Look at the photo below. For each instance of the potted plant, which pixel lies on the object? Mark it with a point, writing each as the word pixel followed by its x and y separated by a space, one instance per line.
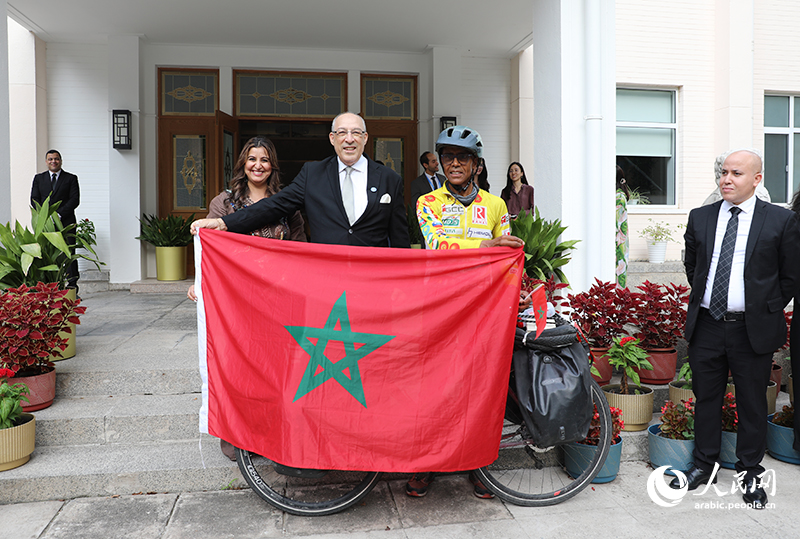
pixel 32 323
pixel 414 232
pixel 545 255
pixel 169 235
pixel 780 436
pixel 17 429
pixel 772 394
pixel 660 315
pixel 672 442
pixel 681 390
pixel 635 401
pixel 636 198
pixel 657 235
pixel 578 455
pixel 601 315
pixel 730 426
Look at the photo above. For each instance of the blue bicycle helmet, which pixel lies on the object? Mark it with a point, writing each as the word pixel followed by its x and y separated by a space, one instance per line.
pixel 461 136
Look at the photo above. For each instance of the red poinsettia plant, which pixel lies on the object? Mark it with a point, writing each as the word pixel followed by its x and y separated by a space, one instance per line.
pixel 677 420
pixel 730 417
pixel 660 314
pixel 31 319
pixel 617 424
pixel 602 312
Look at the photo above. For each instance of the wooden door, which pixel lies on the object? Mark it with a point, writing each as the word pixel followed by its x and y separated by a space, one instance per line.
pixel 395 144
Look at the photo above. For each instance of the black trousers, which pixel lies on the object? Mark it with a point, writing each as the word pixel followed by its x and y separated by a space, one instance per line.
pixel 717 346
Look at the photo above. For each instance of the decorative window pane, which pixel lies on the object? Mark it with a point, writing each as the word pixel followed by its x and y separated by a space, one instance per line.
pixel 781 146
pixel 227 151
pixel 290 94
pixel 776 111
pixel 646 142
pixel 185 93
pixel 388 98
pixel 390 152
pixel 189 172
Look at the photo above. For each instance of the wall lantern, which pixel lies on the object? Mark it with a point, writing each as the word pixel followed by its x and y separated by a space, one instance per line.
pixel 447 121
pixel 121 129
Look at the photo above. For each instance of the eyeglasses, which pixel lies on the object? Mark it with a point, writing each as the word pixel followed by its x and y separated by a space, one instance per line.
pixel 341 133
pixel 448 158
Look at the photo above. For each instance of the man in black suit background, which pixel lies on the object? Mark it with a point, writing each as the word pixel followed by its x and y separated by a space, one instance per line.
pixel 426 182
pixel 743 263
pixel 62 187
pixel 348 198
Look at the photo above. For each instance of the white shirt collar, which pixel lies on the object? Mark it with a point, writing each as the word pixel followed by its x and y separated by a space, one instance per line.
pixel 360 165
pixel 747 206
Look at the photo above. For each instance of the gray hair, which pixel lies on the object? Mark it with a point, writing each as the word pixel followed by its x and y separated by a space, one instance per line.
pixel 333 123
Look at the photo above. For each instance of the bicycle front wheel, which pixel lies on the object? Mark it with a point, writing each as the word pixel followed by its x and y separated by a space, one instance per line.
pixel 528 476
pixel 315 494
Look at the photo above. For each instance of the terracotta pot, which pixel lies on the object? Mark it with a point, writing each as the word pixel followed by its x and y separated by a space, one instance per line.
pixel 42 389
pixel 637 410
pixel 17 443
pixel 664 361
pixel 776 375
pixel 677 393
pixel 600 361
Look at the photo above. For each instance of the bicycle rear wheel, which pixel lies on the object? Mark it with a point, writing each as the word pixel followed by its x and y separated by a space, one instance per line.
pixel 528 476
pixel 317 493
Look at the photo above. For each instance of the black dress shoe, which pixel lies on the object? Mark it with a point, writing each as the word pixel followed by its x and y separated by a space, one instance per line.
pixel 754 495
pixel 695 477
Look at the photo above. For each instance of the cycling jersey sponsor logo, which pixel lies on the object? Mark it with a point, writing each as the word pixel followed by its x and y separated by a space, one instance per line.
pixel 455 209
pixel 504 219
pixel 453 231
pixel 450 221
pixel 430 198
pixel 479 233
pixel 479 215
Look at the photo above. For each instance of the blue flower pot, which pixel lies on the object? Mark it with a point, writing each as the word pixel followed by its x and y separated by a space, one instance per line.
pixel 780 441
pixel 678 454
pixel 577 457
pixel 727 450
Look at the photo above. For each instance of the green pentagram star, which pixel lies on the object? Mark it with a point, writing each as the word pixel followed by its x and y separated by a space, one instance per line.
pixel 352 384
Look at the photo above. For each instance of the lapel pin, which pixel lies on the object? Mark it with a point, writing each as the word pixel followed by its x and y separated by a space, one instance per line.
pixel 373 189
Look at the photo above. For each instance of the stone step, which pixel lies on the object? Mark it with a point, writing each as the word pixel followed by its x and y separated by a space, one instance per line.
pixel 118 420
pixel 62 472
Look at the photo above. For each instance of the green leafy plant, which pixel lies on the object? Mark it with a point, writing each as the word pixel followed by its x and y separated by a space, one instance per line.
pixel 545 255
pixel 677 420
pixel 169 231
pixel 656 231
pixel 784 418
pixel 414 233
pixel 39 255
pixel 730 417
pixel 11 397
pixel 31 320
pixel 637 197
pixel 685 373
pixel 627 356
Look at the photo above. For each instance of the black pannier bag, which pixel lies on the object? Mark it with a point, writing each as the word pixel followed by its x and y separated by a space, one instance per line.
pixel 553 386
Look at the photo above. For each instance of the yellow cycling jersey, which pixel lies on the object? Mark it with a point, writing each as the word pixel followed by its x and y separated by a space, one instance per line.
pixel 447 224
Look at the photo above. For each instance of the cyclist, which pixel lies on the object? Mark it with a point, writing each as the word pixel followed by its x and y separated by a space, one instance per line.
pixel 459 215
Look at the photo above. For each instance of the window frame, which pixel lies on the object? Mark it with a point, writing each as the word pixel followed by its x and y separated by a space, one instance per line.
pixel 790 131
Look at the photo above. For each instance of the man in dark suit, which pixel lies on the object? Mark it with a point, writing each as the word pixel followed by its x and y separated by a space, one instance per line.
pixel 60 186
pixel 426 182
pixel 348 199
pixel 743 263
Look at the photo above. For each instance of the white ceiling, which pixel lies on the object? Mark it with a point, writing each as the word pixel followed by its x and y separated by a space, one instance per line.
pixel 478 27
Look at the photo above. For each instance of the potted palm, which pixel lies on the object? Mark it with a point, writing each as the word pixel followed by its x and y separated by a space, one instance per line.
pixel 578 455
pixel 657 235
pixel 32 323
pixel 671 443
pixel 601 314
pixel 17 429
pixel 545 255
pixel 169 235
pixel 635 401
pixel 660 315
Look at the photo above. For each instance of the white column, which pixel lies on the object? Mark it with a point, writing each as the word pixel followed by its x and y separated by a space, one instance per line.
pixel 522 110
pixel 5 139
pixel 574 115
pixel 734 75
pixel 446 71
pixel 124 166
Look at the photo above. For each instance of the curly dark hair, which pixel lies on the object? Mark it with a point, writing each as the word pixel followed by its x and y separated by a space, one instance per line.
pixel 239 190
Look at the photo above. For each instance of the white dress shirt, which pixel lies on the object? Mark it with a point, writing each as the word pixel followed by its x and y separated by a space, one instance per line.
pixel 359 178
pixel 736 298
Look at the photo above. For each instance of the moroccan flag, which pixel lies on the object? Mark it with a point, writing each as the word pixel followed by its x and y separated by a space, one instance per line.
pixel 539 306
pixel 355 358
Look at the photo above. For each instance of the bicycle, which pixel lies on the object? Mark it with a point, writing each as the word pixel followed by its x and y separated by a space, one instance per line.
pixel 523 473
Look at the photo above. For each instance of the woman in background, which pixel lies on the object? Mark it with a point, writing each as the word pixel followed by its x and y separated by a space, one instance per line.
pixel 517 194
pixel 622 229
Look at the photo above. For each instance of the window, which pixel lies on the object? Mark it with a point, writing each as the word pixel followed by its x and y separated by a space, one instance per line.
pixel 781 146
pixel 646 133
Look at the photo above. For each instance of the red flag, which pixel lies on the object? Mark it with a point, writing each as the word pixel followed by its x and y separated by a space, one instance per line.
pixel 355 358
pixel 539 306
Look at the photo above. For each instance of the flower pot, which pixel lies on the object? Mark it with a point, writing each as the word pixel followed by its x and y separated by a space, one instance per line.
pixel 70 350
pixel 42 389
pixel 727 450
pixel 171 263
pixel 17 443
pixel 637 410
pixel 600 361
pixel 772 394
pixel 776 375
pixel 780 442
pixel 656 251
pixel 664 361
pixel 578 456
pixel 677 393
pixel 678 454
